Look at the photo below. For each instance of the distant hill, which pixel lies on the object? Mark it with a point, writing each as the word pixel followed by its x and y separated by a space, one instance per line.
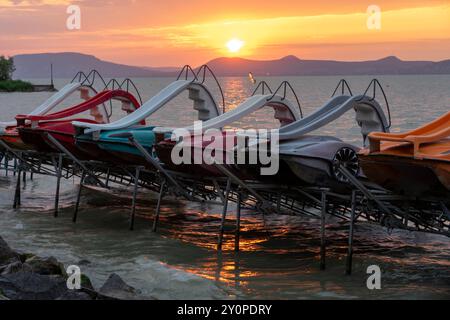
pixel 67 64
pixel 293 66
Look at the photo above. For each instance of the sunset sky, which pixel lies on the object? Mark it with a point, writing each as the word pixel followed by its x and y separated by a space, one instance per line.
pixel 175 32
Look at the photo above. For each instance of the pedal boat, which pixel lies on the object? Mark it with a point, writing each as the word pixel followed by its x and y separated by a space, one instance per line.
pixel 414 163
pixel 315 160
pixel 111 141
pixel 34 130
pixel 283 110
pixel 8 130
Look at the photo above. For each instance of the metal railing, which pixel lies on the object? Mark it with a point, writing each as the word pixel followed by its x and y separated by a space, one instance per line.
pixel 263 86
pixel 203 70
pixel 374 84
pixel 284 86
pixel 342 84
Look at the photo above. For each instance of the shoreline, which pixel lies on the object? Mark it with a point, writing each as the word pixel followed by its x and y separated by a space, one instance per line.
pixel 14 86
pixel 26 276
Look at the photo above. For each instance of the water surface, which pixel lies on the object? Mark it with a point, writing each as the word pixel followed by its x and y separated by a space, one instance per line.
pixel 279 254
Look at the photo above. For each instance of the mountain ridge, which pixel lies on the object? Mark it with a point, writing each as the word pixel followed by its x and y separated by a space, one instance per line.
pixel 67 64
pixel 293 66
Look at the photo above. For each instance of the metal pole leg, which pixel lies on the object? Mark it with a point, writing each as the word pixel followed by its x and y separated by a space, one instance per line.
pixel 77 205
pixel 158 206
pixel 349 262
pixel 17 195
pixel 238 224
pixel 24 179
pixel 224 215
pixel 58 184
pixel 133 206
pixel 6 164
pixel 322 231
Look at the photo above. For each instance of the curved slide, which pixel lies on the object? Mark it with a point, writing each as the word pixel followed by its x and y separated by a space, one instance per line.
pixel 148 108
pixel 50 103
pixel 82 107
pixel 284 110
pixel 436 130
pixel 369 115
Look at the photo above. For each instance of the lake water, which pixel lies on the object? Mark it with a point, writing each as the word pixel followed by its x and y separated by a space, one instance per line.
pixel 279 256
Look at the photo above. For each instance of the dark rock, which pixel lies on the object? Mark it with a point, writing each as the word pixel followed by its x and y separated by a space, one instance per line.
pixel 116 288
pixel 75 295
pixel 25 256
pixel 7 255
pixel 14 267
pixel 32 286
pixel 49 266
pixel 86 282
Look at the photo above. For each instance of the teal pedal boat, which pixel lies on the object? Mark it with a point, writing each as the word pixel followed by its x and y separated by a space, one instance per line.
pixel 110 142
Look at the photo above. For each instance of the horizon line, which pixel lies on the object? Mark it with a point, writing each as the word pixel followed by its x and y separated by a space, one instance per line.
pixel 224 57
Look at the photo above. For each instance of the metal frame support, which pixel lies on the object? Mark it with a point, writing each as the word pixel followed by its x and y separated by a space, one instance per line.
pixel 238 223
pixel 58 184
pixel 349 261
pixel 24 178
pixel 73 158
pixel 158 206
pixel 17 194
pixel 322 231
pixel 133 205
pixel 224 215
pixel 77 205
pixel 148 157
pixel 6 164
pixel 264 204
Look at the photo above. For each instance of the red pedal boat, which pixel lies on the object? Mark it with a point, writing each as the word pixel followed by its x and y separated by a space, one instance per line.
pixel 34 130
pixel 283 111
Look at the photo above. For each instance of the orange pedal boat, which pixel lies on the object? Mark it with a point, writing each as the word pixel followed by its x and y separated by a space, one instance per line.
pixel 415 163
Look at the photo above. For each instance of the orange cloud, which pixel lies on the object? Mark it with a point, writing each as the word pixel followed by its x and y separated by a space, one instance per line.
pixel 117 30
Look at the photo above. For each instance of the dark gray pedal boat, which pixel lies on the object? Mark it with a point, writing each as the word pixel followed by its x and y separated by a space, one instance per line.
pixel 314 159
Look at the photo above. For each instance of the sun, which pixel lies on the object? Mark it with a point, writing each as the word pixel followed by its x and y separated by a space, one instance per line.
pixel 235 45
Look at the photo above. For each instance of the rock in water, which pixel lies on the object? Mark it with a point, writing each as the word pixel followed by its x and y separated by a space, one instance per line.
pixel 6 254
pixel 49 266
pixel 116 288
pixel 32 286
pixel 12 268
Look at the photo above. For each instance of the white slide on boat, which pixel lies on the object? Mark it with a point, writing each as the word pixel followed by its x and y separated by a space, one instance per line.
pixel 285 111
pixel 50 103
pixel 369 116
pixel 204 103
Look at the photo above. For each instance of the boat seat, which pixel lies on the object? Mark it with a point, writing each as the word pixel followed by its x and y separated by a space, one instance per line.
pixel 84 93
pixel 283 114
pixel 203 102
pixel 434 131
pixel 128 107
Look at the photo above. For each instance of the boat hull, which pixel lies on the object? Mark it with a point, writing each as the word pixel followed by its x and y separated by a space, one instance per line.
pixel 62 131
pixel 14 141
pixel 408 176
pixel 114 147
pixel 313 161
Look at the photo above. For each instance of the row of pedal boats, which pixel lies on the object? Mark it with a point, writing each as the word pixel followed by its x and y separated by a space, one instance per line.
pixel 414 163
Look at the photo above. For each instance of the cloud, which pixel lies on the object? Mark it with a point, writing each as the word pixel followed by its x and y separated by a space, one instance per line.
pixel 131 27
